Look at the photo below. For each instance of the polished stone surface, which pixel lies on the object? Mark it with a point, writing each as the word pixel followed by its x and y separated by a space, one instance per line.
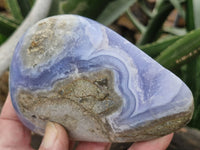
pixel 100 87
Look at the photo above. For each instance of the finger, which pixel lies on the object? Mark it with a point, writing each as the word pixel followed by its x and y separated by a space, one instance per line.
pixel 13 133
pixel 158 144
pixel 93 146
pixel 8 111
pixel 55 138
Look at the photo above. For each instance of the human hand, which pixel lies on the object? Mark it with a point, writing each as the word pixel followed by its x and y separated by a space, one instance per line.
pixel 15 136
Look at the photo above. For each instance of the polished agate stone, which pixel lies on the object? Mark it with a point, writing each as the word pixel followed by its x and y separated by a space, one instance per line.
pixel 76 72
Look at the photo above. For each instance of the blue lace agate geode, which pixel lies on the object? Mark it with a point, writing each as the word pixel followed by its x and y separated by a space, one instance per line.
pixel 100 87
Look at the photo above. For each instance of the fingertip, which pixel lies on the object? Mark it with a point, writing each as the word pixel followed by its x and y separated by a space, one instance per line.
pixel 159 144
pixel 170 136
pixel 62 138
pixel 55 138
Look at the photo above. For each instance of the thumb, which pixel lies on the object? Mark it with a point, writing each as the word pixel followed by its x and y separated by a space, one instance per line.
pixel 55 138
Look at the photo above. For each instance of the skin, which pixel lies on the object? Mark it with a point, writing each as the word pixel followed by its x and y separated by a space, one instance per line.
pixel 15 136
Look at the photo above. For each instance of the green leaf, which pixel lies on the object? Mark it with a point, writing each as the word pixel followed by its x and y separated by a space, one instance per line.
pixel 154 49
pixel 114 10
pixel 2 38
pixel 15 9
pixel 177 5
pixel 25 7
pixel 146 10
pixel 54 10
pixel 135 21
pixel 88 8
pixel 192 79
pixel 32 2
pixel 196 4
pixel 158 6
pixel 192 14
pixel 7 25
pixel 192 72
pixel 175 30
pixel 160 13
pixel 189 16
pixel 181 50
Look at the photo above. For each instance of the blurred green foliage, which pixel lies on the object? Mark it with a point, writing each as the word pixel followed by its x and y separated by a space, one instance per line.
pixel 177 51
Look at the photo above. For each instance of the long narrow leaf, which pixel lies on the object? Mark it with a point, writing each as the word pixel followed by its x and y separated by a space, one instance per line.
pixel 135 21
pixel 192 72
pixel 114 10
pixel 174 30
pixel 2 38
pixel 32 2
pixel 54 10
pixel 145 8
pixel 196 4
pixel 190 25
pixel 153 28
pixel 25 7
pixel 88 8
pixel 155 48
pixel 193 81
pixel 15 9
pixel 181 50
pixel 177 5
pixel 7 26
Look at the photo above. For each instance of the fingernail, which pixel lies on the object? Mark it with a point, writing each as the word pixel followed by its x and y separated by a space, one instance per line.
pixel 50 135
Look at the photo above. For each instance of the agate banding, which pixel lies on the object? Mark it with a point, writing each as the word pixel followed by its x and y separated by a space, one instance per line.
pixel 74 71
